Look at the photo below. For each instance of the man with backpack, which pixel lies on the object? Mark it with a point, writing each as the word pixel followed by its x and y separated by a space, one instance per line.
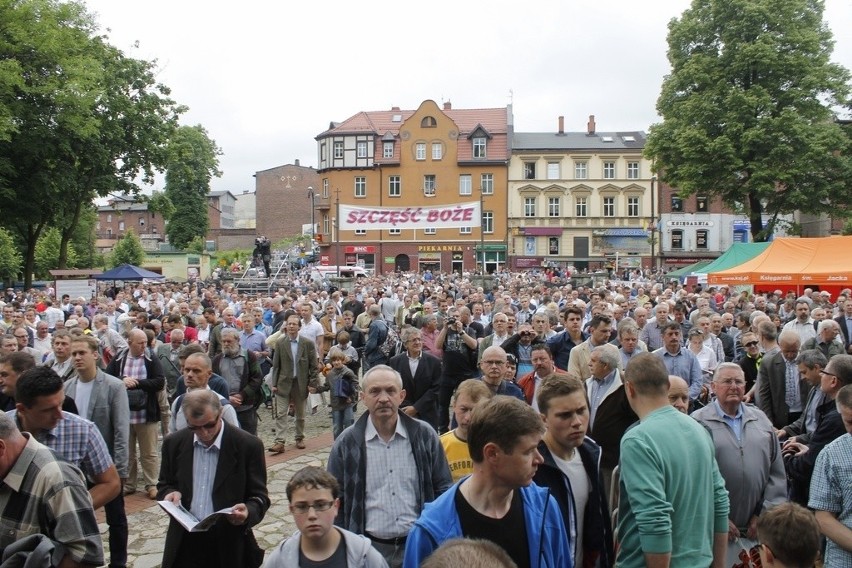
pixel 380 340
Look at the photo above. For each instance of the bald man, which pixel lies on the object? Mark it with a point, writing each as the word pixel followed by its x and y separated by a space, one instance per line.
pixel 679 393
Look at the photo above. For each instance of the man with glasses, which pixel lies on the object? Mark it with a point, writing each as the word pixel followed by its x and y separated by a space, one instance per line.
pixel 751 359
pixel 500 325
pixel 493 367
pixel 747 452
pixel 22 339
pixel 421 378
pixel 206 467
pixel 781 395
pixel 314 501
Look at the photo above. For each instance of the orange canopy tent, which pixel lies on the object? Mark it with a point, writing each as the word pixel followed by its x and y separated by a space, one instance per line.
pixel 823 261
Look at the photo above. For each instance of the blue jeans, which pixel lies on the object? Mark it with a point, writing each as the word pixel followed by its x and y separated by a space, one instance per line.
pixel 341 419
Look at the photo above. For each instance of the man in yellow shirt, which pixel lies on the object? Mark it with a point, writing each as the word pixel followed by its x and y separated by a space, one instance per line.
pixel 468 394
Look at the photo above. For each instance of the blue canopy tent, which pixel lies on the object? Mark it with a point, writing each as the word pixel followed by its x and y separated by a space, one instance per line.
pixel 128 272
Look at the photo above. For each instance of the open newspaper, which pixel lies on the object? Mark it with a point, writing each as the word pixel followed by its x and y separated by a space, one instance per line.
pixel 188 520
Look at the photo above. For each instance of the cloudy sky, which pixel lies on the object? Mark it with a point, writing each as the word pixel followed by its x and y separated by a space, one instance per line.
pixel 264 77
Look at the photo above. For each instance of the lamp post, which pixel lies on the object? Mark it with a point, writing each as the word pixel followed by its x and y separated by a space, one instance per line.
pixel 312 195
pixel 482 228
pixel 653 226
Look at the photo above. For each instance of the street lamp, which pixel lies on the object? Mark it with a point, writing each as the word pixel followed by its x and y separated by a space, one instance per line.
pixel 313 207
pixel 653 227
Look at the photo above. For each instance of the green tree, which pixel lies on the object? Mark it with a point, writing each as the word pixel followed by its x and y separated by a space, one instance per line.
pixel 192 162
pixel 10 257
pixel 128 250
pixel 747 109
pixel 47 253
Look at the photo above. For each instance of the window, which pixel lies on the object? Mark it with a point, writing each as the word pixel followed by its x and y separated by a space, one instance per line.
pixel 487 221
pixel 486 183
pixel 429 231
pixel 553 206
pixel 701 204
pixel 582 207
pixel 429 185
pixel 581 170
pixel 326 225
pixel 360 186
pixel 677 204
pixel 338 149
pixel 121 225
pixel 464 184
pixel 529 170
pixel 553 245
pixel 479 147
pixel 632 206
pixel 701 239
pixel 428 122
pixel 632 170
pixel 394 186
pixel 323 152
pixel 464 230
pixel 394 231
pixel 609 170
pixel 360 232
pixel 609 206
pixel 420 151
pixel 677 239
pixel 325 188
pixel 361 149
pixel 109 218
pixel 437 150
pixel 552 170
pixel 387 150
pixel 529 206
pixel 141 221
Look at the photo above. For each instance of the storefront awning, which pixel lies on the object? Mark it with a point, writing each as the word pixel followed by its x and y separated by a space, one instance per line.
pixel 622 233
pixel 542 231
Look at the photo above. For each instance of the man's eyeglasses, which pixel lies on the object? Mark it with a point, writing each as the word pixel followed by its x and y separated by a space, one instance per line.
pixel 208 426
pixel 318 506
pixel 823 372
pixel 493 363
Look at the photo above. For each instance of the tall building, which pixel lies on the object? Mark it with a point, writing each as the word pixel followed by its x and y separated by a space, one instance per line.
pixel 431 157
pixel 580 199
pixel 283 200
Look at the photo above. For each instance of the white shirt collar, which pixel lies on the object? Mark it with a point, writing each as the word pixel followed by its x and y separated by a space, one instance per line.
pixel 371 431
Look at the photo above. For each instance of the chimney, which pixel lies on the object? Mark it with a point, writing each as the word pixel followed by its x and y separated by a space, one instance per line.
pixel 297 162
pixel 395 108
pixel 448 105
pixel 591 125
pixel 561 125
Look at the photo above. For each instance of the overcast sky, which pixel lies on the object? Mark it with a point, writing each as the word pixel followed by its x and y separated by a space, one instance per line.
pixel 265 77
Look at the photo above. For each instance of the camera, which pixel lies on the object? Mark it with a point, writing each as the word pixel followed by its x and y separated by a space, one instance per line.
pixel 526 334
pixel 451 322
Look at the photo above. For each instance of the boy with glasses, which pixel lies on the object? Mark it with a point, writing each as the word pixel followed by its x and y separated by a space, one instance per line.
pixel 314 500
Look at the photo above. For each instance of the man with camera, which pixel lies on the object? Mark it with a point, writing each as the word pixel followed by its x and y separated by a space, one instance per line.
pixel 459 363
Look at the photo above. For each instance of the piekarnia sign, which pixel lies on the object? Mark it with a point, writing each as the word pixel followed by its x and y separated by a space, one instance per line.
pixel 447 216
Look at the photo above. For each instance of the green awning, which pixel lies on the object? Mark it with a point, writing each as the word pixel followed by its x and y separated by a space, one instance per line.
pixel 689 269
pixel 734 256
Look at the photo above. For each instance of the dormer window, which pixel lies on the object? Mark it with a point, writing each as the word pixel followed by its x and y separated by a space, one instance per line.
pixel 479 147
pixel 428 122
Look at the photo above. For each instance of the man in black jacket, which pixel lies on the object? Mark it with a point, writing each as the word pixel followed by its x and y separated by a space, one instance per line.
pixel 421 378
pixel 571 470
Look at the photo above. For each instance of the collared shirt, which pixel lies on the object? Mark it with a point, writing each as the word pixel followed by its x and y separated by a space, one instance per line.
pixel 43 487
pixel 413 363
pixel 599 390
pixel 831 491
pixel 792 394
pixel 77 441
pixel 392 488
pixel 735 423
pixel 626 357
pixel 684 365
pixel 294 350
pixel 204 462
pixel 135 368
pixel 811 412
pixel 253 341
pixel 499 340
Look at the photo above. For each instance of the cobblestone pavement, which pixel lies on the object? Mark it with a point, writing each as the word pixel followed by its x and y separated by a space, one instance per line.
pixel 148 523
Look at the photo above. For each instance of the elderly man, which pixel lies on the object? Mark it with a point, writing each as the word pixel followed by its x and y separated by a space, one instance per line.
pixel 781 394
pixel 500 324
pixel 679 360
pixel 679 394
pixel 673 508
pixel 493 367
pixel 204 481
pixel 197 369
pixel 103 400
pixel 609 413
pixel 44 494
pixel 811 363
pixel 241 370
pixel 600 330
pixel 628 342
pixel 229 320
pixel 747 452
pixel 542 362
pixel 168 354
pixel 421 378
pixel 380 506
pixel 294 367
pixel 652 333
pixel 827 340
pixel 143 378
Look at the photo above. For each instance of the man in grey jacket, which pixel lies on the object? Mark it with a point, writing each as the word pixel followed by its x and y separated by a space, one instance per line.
pixel 747 451
pixel 314 501
pixel 102 399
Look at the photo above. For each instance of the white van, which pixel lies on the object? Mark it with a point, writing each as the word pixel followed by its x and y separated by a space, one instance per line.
pixel 323 272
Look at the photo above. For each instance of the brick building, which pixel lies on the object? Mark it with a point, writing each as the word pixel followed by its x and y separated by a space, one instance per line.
pixel 282 200
pixel 121 214
pixel 431 156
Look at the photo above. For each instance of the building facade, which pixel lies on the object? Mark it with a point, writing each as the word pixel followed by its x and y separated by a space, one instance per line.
pixel 122 214
pixel 283 200
pixel 220 209
pixel 580 199
pixel 431 156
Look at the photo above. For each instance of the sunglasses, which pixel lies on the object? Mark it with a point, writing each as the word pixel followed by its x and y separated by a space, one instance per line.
pixel 208 426
pixel 751 344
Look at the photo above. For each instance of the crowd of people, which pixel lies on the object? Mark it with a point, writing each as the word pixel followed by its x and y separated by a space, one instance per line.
pixel 532 423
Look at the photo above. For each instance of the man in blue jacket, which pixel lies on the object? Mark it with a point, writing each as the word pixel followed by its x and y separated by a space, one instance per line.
pixel 498 502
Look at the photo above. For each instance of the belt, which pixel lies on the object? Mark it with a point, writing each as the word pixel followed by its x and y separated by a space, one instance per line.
pixel 395 541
